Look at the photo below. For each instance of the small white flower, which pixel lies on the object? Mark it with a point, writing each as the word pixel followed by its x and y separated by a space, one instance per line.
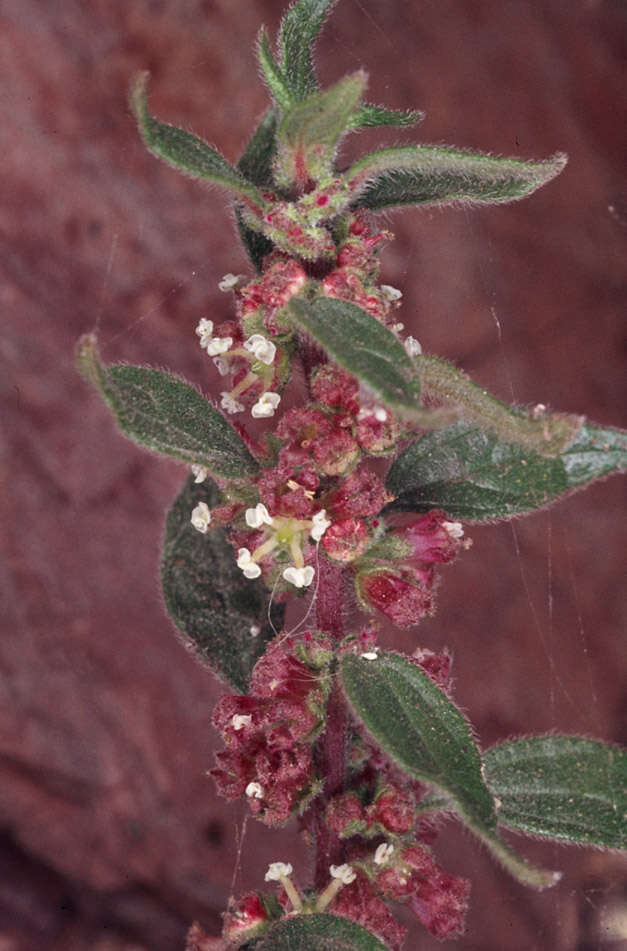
pixel 258 516
pixel 204 331
pixel 229 404
pixel 254 630
pixel 240 720
pixel 538 410
pixel 201 516
pixel 265 405
pixel 254 791
pixel 454 529
pixel 217 345
pixel 391 293
pixel 261 348
pixel 380 414
pixel 221 365
pixel 369 655
pixel 199 473
pixel 345 873
pixel 299 577
pixel 320 525
pixel 277 871
pixel 228 282
pixel 383 853
pixel 248 566
pixel 412 347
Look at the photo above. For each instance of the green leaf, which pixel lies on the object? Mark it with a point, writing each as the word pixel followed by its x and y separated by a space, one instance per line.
pixel 273 76
pixel 561 787
pixel 368 116
pixel 318 933
pixel 418 727
pixel 186 152
pixel 426 174
pixel 473 475
pixel 256 165
pixel 323 116
pixel 210 601
pixel 363 346
pixel 167 415
pixel 415 723
pixel 300 28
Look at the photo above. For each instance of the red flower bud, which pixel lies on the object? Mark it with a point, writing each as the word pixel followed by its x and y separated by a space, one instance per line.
pixel 359 902
pixel 431 538
pixel 246 920
pixel 345 815
pixel 403 595
pixel 395 809
pixel 346 540
pixel 361 493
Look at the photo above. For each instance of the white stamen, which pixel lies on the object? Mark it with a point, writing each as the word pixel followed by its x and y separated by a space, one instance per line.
pixel 277 871
pixel 412 347
pixel 254 791
pixel 369 655
pixel 258 516
pixel 248 566
pixel 454 529
pixel 201 516
pixel 254 630
pixel 240 720
pixel 383 853
pixel 380 414
pixel 299 577
pixel 204 331
pixel 228 282
pixel 265 405
pixel 221 366
pixel 217 345
pixel 199 473
pixel 230 404
pixel 391 293
pixel 261 348
pixel 538 410
pixel 345 873
pixel 320 525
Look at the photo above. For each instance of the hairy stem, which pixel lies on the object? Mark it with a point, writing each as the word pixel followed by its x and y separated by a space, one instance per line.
pixel 331 748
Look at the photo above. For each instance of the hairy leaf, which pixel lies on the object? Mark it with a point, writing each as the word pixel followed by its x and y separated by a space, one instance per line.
pixel 369 116
pixel 300 28
pixel 272 73
pixel 322 117
pixel 475 476
pixel 256 165
pixel 167 415
pixel 186 152
pixel 364 347
pixel 417 726
pixel 210 601
pixel 426 174
pixel 561 787
pixel 318 933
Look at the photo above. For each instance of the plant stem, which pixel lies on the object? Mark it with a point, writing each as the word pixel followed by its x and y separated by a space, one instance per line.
pixel 331 749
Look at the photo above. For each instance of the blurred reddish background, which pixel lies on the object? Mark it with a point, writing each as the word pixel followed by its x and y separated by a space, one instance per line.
pixel 111 835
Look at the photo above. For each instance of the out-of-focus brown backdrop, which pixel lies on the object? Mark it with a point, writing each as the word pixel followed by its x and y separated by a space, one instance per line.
pixel 111 835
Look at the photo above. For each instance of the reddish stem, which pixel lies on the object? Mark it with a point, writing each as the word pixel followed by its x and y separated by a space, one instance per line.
pixel 331 748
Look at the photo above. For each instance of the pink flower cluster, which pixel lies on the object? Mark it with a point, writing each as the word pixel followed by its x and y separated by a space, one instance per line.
pixel 269 732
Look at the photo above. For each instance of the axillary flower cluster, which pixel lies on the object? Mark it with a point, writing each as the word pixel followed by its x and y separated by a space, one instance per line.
pixel 316 487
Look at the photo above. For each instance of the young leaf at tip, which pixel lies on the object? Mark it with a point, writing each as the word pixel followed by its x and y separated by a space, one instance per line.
pixel 300 28
pixel 186 152
pixel 433 175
